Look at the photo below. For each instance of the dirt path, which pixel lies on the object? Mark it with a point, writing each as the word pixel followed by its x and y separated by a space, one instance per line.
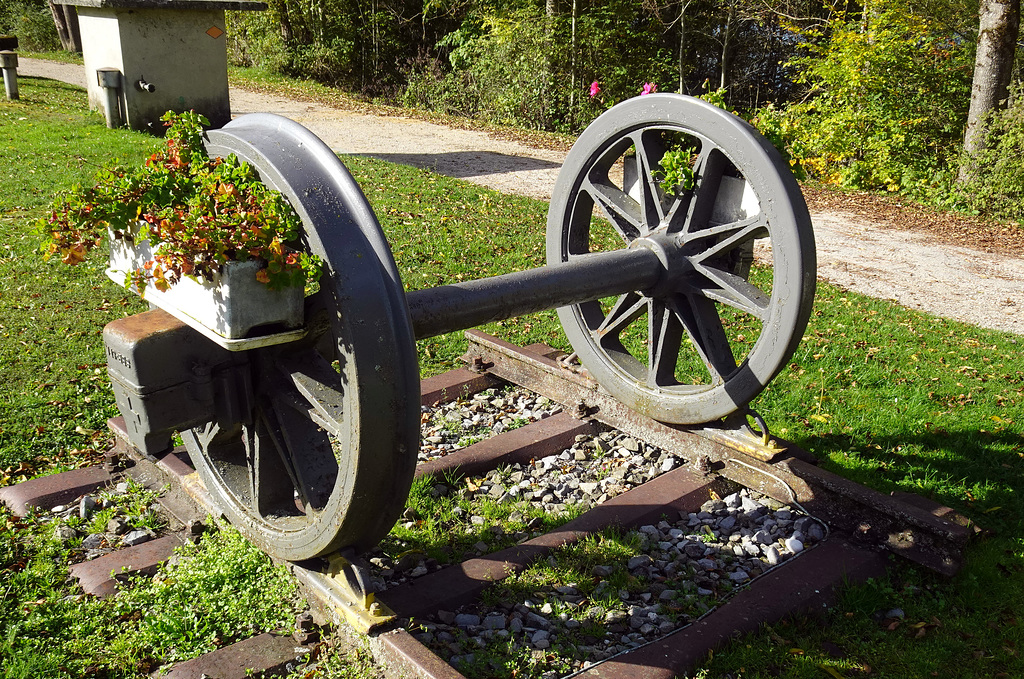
pixel 910 267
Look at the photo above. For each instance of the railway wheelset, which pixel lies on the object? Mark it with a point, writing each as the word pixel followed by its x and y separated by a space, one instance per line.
pixel 309 445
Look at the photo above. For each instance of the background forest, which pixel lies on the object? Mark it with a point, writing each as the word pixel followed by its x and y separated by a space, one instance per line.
pixel 871 96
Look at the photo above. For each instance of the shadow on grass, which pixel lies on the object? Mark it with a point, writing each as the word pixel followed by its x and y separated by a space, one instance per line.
pixel 975 472
pixel 465 164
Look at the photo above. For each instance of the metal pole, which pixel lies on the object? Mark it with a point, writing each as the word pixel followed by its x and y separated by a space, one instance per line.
pixel 458 306
pixel 9 64
pixel 110 80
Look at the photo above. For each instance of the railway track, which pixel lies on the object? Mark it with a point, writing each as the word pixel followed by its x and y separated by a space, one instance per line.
pixel 582 538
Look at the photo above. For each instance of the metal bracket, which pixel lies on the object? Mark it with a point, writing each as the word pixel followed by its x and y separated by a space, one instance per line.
pixel 347 590
pixel 737 432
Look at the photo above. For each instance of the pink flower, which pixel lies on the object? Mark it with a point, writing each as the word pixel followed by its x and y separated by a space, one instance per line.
pixel 595 89
pixel 649 88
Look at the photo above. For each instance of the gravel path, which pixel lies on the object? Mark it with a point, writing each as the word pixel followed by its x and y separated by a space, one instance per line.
pixel 911 268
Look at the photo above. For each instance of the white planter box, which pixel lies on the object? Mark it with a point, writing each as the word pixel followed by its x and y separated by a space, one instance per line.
pixel 232 306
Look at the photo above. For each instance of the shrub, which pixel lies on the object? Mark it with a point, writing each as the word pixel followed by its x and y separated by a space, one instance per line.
pixel 995 187
pixel 889 102
pixel 32 22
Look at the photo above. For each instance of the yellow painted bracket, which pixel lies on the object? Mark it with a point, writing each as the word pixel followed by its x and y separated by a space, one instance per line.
pixel 355 600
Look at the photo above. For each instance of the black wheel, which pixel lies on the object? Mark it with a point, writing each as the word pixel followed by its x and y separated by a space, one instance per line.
pixel 323 455
pixel 701 187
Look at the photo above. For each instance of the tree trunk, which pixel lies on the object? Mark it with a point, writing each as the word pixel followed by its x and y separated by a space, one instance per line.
pixel 726 35
pixel 71 17
pixel 682 43
pixel 65 18
pixel 998 28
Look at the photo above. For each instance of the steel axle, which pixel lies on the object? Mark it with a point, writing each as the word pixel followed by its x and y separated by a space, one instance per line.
pixel 459 306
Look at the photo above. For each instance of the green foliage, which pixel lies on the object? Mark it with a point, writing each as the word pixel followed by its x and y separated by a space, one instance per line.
pixel 995 184
pixel 518 67
pixel 198 213
pixel 342 43
pixel 783 131
pixel 499 72
pixel 890 95
pixel 208 595
pixel 677 173
pixel 32 22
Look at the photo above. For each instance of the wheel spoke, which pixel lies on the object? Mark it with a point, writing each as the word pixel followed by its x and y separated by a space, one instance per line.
pixel 734 234
pixel 618 208
pixel 665 335
pixel 730 288
pixel 699 317
pixel 319 386
pixel 708 172
pixel 274 479
pixel 738 293
pixel 307 452
pixel 649 152
pixel 627 308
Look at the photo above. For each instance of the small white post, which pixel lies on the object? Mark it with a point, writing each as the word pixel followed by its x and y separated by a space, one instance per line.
pixel 9 64
pixel 110 80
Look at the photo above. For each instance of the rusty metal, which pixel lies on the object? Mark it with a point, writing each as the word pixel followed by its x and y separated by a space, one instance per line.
pixel 266 655
pixel 456 384
pixel 49 491
pixel 549 436
pixel 100 576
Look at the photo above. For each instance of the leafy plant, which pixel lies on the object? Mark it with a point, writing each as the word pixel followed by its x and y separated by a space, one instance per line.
pixel 995 185
pixel 198 213
pixel 209 595
pixel 677 172
pixel 890 93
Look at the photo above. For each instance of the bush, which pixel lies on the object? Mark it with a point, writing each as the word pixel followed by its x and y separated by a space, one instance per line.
pixel 889 103
pixel 500 72
pixel 32 22
pixel 254 40
pixel 995 187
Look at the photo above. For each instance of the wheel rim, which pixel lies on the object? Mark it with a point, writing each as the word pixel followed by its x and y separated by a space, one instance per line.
pixel 321 452
pixel 708 339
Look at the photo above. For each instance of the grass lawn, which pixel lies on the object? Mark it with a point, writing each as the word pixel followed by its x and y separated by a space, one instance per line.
pixel 892 398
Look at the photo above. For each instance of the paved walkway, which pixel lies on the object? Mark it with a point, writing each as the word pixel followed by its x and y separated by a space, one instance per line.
pixel 980 288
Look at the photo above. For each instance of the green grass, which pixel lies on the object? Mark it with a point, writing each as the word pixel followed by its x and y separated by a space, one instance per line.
pixel 441 527
pixel 56 397
pixel 208 595
pixel 892 398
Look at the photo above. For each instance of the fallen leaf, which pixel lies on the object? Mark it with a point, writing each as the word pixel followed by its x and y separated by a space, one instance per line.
pixel 796 651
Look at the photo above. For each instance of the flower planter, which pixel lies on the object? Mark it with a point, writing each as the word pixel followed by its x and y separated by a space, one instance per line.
pixel 231 309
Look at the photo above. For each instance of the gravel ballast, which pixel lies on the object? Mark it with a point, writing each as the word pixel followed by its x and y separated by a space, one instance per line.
pixel 587 602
